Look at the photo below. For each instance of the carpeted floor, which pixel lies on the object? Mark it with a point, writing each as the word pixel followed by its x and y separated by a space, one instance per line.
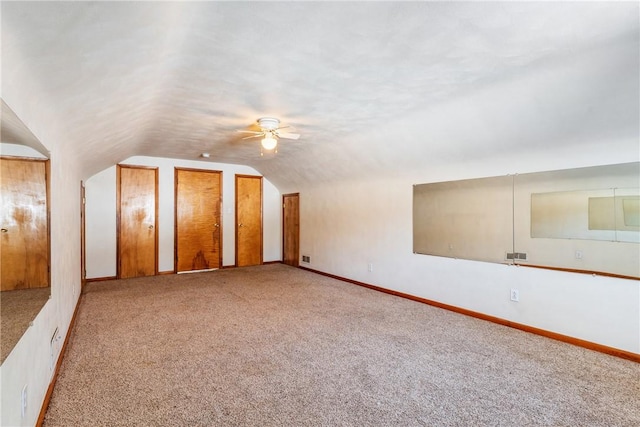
pixel 278 346
pixel 17 310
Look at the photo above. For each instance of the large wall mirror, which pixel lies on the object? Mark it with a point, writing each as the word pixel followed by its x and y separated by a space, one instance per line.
pixel 24 229
pixel 584 219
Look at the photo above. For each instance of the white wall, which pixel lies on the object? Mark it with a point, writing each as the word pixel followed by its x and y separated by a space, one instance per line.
pixel 346 226
pixel 30 361
pixel 101 214
pixel 100 224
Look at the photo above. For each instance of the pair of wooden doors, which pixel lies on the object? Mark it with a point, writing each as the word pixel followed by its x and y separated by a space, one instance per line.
pixel 197 236
pixel 24 224
pixel 198 227
pixel 198 222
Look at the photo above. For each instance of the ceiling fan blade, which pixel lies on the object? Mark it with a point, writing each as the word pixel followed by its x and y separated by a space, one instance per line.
pixel 249 131
pixel 288 135
pixel 253 136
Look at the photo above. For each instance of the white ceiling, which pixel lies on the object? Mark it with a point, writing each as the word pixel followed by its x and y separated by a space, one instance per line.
pixel 372 87
pixel 13 131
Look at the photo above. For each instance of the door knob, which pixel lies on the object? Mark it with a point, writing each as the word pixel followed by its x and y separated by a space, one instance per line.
pixel 216 225
pixel 151 227
pixel 4 230
pixel 240 225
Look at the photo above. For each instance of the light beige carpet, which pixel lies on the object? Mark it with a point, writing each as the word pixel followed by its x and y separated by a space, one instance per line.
pixel 278 346
pixel 17 310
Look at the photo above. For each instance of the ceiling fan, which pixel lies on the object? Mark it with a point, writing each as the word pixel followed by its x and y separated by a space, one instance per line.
pixel 270 131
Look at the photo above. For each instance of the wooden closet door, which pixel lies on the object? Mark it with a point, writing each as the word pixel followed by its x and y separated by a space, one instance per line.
pixel 291 229
pixel 197 208
pixel 248 220
pixel 24 225
pixel 137 219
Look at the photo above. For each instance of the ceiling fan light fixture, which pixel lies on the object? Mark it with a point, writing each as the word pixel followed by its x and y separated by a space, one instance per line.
pixel 269 142
pixel 268 123
pixel 270 133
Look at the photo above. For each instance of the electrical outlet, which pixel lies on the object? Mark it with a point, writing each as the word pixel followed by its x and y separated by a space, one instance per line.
pixel 306 258
pixel 370 267
pixel 515 295
pixel 578 254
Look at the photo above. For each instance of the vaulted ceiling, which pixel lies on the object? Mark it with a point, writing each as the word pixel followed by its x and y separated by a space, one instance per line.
pixel 372 87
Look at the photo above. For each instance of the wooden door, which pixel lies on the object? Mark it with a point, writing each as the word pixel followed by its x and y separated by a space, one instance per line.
pixel 248 220
pixel 197 212
pixel 24 224
pixel 291 229
pixel 137 219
